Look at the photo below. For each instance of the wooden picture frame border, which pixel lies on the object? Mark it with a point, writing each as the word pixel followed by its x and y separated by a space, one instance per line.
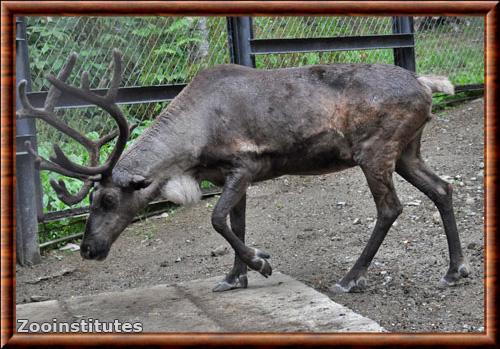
pixel 9 9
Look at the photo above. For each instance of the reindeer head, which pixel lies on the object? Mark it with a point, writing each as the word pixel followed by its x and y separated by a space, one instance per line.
pixel 114 202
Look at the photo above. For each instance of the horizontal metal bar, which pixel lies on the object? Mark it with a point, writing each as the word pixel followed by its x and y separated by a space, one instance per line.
pixel 82 211
pixel 61 239
pixel 343 43
pixel 62 214
pixel 126 95
pixel 162 206
pixel 471 87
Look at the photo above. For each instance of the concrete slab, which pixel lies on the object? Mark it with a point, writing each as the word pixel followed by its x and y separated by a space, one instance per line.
pixel 277 304
pixel 160 308
pixel 40 312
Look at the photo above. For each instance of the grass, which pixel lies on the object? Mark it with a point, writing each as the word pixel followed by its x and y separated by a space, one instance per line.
pixel 442 102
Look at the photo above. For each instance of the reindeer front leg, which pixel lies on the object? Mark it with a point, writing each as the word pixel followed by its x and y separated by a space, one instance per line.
pixel 232 201
pixel 237 277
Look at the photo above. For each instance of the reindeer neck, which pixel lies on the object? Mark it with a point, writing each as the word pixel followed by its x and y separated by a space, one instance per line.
pixel 166 142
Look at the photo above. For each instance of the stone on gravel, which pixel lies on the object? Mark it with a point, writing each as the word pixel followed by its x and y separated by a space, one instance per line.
pixel 163 215
pixel 473 245
pixel 436 217
pixel 71 247
pixel 35 298
pixel 219 251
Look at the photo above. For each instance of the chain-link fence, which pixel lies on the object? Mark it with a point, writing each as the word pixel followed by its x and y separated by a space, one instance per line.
pixel 172 50
pixel 156 51
pixel 316 27
pixel 161 50
pixel 451 46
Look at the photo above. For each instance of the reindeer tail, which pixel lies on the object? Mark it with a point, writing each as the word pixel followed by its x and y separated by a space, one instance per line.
pixel 437 83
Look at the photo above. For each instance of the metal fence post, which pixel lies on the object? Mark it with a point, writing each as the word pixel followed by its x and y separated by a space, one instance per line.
pixel 28 203
pixel 239 34
pixel 404 57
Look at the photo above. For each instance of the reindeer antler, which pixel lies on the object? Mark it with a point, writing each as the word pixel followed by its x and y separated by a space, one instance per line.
pixel 107 103
pixel 60 162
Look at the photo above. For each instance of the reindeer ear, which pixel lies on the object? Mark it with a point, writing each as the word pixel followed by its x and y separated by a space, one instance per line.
pixel 139 182
pixel 130 182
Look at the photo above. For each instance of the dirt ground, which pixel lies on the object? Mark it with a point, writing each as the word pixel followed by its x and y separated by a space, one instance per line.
pixel 315 228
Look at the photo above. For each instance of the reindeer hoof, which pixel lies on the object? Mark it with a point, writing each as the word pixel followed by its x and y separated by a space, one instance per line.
pixel 259 263
pixel 453 276
pixel 352 286
pixel 226 285
pixel 464 269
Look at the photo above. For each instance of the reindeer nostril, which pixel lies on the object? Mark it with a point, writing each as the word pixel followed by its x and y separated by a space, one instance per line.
pixel 85 251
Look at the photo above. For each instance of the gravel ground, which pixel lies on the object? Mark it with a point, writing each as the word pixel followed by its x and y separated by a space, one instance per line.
pixel 315 228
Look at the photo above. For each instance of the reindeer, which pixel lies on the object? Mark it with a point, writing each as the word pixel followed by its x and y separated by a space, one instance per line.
pixel 234 126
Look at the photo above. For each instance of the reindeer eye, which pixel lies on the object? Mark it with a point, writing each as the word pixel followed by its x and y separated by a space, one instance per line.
pixel 108 202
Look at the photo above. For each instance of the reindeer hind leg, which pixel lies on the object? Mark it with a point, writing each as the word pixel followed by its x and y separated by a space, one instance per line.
pixel 412 168
pixel 379 178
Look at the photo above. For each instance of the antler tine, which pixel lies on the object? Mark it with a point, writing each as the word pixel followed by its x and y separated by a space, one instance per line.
pixel 117 75
pixel 60 163
pixel 65 196
pixel 107 138
pixel 85 83
pixel 48 116
pixel 54 94
pixel 27 110
pixel 104 102
pixel 44 164
pixel 107 103
pixel 60 187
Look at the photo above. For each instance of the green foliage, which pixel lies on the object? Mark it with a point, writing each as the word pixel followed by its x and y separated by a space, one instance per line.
pixel 77 154
pixel 156 50
pixel 207 185
pixel 442 101
pixel 54 230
